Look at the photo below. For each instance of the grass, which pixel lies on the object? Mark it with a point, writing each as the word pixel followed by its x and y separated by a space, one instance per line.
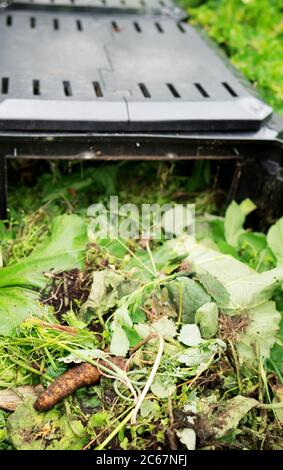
pixel 251 34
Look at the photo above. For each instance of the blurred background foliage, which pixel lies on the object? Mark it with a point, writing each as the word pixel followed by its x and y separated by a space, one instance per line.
pixel 251 33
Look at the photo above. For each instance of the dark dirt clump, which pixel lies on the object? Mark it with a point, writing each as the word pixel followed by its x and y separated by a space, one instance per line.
pixel 69 290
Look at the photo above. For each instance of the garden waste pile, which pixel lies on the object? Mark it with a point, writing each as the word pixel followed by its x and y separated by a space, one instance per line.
pixel 113 343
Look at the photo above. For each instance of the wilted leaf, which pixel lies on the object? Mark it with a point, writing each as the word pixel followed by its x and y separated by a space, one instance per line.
pixel 31 430
pixel 261 330
pixel 103 294
pixel 190 335
pixel 165 327
pixel 11 398
pixel 228 414
pixel 188 437
pixel 279 399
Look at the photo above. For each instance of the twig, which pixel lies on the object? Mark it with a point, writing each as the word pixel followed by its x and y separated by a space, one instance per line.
pixel 270 406
pixel 68 329
pixel 171 433
pixel 234 354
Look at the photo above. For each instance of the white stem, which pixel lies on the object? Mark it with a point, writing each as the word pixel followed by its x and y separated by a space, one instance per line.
pixel 149 380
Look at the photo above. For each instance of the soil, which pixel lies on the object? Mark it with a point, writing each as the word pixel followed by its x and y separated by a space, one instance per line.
pixel 69 290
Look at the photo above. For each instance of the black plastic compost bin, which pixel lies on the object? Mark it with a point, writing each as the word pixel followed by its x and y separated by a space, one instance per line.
pixel 121 79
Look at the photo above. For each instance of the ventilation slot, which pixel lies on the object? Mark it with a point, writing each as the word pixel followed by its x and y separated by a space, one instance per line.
pixel 173 90
pixel 137 27
pixel 115 27
pixel 79 25
pixel 97 89
pixel 181 27
pixel 202 91
pixel 144 90
pixel 123 2
pixel 67 88
pixel 159 28
pixel 9 20
pixel 5 86
pixel 36 87
pixel 103 2
pixel 229 89
pixel 56 24
pixel 72 2
pixel 32 22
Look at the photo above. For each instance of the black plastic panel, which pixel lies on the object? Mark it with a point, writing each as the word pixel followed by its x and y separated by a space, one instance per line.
pixel 74 71
pixel 156 7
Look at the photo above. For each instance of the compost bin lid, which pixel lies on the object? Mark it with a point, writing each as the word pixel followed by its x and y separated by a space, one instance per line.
pixel 81 72
pixel 157 7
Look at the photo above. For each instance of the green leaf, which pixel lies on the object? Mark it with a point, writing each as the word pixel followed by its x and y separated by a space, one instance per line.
pixel 214 288
pixel 247 206
pixel 254 251
pixel 98 419
pixel 188 295
pixel 62 251
pixel 207 319
pixel 119 343
pixel 249 292
pixel 235 217
pixel 16 304
pixel 149 408
pixel 200 356
pixel 132 336
pixel 246 287
pixel 165 259
pixel 275 240
pixel 162 390
pixel 233 223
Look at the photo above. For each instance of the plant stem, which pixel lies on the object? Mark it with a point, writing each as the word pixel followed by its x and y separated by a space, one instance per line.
pixel 150 379
pixel 236 365
pixel 115 431
pixel 270 406
pixel 151 258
